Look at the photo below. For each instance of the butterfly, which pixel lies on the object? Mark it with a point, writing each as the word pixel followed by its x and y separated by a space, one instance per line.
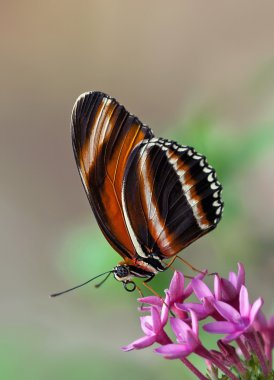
pixel 150 196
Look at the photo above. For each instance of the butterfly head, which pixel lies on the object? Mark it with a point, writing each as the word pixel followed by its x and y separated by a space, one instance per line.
pixel 123 274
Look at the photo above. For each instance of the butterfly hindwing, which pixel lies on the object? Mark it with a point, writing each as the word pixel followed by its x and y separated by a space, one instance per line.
pixel 171 197
pixel 103 136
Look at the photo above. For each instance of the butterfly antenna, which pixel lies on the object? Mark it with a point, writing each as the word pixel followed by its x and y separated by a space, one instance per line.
pixel 105 279
pixel 84 283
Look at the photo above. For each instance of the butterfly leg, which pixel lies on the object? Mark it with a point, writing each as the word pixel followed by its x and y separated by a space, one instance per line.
pixel 189 265
pixel 149 279
pixel 174 270
pixel 171 262
pixel 156 294
pixel 140 292
pixel 148 287
pixel 145 283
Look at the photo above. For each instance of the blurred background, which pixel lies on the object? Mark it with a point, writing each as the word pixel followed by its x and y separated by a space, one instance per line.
pixel 201 73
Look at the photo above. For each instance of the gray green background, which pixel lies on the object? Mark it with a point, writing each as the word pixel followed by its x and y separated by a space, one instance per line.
pixel 199 72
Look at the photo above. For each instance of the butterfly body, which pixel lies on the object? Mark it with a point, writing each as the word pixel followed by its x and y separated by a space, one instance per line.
pixel 151 197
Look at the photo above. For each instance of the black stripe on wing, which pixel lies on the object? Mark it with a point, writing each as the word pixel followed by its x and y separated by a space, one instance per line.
pixel 171 196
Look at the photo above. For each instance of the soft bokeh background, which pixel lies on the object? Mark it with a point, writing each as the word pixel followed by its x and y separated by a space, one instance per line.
pixel 200 72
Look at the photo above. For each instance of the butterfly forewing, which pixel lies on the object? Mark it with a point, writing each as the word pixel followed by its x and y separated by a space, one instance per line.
pixel 171 197
pixel 103 135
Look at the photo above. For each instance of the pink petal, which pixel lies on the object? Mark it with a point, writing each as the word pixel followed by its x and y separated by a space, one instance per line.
pixel 146 324
pixel 181 314
pixel 227 311
pixel 217 287
pixel 151 300
pixel 261 320
pixel 232 277
pixel 255 309
pixel 244 302
pixel 219 327
pixel 165 310
pixel 156 320
pixel 192 340
pixel 208 304
pixel 199 309
pixel 189 290
pixel 232 336
pixel 173 351
pixel 179 327
pixel 195 325
pixel 201 290
pixel 143 342
pixel 228 290
pixel 176 288
pixel 241 276
pixel 129 347
pixel 144 308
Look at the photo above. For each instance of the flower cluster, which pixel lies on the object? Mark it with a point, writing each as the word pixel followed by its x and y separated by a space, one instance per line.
pixel 245 350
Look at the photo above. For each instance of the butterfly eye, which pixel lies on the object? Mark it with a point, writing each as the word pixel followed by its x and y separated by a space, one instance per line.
pixel 121 271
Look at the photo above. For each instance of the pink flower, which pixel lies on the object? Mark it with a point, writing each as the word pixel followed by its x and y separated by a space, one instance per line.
pixel 205 296
pixel 230 289
pixel 187 338
pixel 266 329
pixel 153 327
pixel 176 292
pixel 237 322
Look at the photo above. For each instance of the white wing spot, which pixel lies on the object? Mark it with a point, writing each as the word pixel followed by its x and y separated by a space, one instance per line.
pixel 210 178
pixel 181 149
pixel 206 170
pixel 216 194
pixel 214 186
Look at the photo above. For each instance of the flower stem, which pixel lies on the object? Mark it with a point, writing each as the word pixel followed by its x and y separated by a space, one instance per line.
pixel 240 367
pixel 258 352
pixel 203 352
pixel 243 348
pixel 193 369
pixel 268 354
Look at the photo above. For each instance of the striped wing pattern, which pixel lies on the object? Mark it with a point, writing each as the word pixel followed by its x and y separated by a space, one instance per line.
pixel 103 136
pixel 171 197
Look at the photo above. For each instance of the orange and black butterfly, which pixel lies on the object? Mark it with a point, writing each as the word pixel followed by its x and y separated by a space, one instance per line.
pixel 151 197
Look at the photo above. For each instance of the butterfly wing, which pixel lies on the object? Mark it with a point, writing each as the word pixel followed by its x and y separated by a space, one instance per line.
pixel 170 197
pixel 104 134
